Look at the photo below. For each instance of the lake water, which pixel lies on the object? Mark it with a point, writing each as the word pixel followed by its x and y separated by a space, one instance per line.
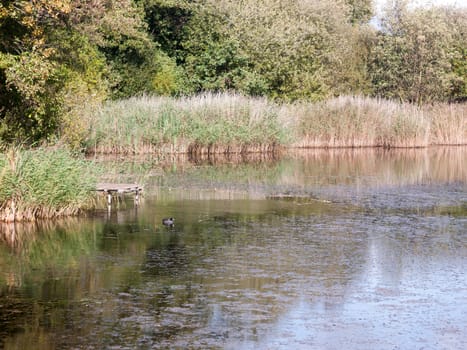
pixel 324 249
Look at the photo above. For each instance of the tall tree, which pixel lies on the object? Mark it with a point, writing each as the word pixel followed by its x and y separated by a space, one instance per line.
pixel 30 80
pixel 56 56
pixel 457 21
pixel 167 22
pixel 411 60
pixel 292 47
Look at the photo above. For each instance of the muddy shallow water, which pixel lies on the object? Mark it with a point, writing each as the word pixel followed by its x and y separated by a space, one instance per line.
pixel 315 250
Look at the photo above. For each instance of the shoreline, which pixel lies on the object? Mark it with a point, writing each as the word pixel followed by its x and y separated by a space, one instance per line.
pixel 272 149
pixel 22 209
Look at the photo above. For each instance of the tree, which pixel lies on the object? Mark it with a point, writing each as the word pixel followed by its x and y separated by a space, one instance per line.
pixel 167 22
pixel 361 11
pixel 411 58
pixel 118 31
pixel 30 80
pixel 457 21
pixel 56 56
pixel 295 47
pixel 211 56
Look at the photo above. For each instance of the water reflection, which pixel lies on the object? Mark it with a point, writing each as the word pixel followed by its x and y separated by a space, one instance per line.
pixel 357 249
pixel 412 178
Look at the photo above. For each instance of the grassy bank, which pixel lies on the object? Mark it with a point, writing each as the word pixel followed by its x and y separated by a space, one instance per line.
pixel 229 123
pixel 43 183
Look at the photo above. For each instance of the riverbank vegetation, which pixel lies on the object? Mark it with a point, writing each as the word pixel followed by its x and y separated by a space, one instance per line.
pixel 361 122
pixel 59 59
pixel 44 183
pixel 230 123
pixel 214 123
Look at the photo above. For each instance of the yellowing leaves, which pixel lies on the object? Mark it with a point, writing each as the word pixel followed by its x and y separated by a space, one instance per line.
pixel 37 12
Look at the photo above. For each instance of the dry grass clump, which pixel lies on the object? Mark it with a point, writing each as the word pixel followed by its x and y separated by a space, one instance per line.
pixel 232 123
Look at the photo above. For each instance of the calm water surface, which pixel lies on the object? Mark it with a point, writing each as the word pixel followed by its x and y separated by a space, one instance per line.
pixel 317 250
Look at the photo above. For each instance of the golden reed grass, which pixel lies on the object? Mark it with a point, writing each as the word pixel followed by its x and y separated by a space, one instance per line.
pixel 350 121
pixel 448 124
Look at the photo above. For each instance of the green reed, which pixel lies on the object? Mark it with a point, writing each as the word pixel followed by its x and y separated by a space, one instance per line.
pixel 44 183
pixel 213 123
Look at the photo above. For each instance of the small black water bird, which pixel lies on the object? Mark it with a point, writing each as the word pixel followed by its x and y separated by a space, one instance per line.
pixel 169 222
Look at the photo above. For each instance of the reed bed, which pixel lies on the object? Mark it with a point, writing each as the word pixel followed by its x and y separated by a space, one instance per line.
pixel 448 124
pixel 350 121
pixel 235 124
pixel 207 123
pixel 44 183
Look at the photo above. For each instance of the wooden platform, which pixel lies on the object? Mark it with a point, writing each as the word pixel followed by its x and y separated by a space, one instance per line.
pixel 112 188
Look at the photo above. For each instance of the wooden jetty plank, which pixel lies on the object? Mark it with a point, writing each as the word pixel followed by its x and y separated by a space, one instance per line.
pixel 120 188
pixel 111 188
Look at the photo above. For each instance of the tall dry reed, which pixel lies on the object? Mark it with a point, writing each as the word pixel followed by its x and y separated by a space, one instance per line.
pixel 350 121
pixel 448 124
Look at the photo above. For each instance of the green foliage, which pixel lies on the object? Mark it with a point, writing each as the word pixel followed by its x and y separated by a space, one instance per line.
pixel 212 59
pixel 80 59
pixel 84 74
pixel 167 21
pixel 261 48
pixel 211 66
pixel 117 29
pixel 132 70
pixel 411 60
pixel 457 20
pixel 58 55
pixel 361 11
pixel 169 79
pixel 37 64
pixel 294 50
pixel 29 96
pixel 459 83
pixel 195 35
